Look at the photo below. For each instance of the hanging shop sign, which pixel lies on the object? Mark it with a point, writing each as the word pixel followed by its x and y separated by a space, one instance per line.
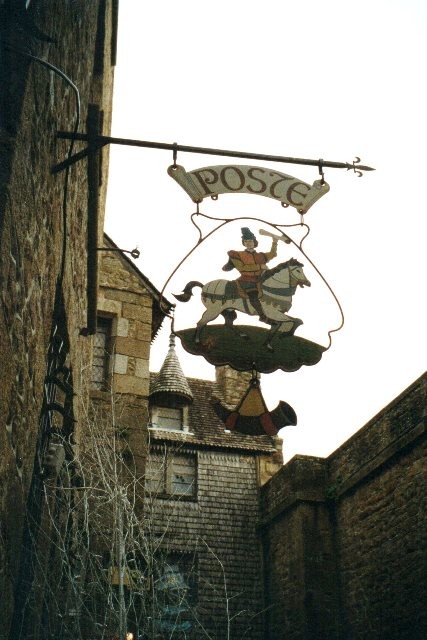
pixel 262 291
pixel 216 180
pixel 262 282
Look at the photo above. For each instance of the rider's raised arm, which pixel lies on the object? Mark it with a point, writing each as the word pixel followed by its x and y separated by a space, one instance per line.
pixel 273 251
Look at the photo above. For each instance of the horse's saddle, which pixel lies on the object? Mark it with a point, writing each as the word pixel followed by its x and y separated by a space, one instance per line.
pixel 233 290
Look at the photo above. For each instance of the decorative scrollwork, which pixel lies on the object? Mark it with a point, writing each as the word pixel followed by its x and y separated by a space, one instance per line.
pixel 357 168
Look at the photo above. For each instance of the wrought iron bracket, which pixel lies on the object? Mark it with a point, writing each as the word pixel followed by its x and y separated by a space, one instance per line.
pixel 97 142
pixel 135 253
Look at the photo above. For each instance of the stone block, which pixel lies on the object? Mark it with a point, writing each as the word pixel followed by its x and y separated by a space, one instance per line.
pixel 120 363
pixel 141 368
pixel 122 327
pixel 109 306
pixel 137 311
pixel 143 331
pixel 124 296
pixel 131 347
pixel 131 384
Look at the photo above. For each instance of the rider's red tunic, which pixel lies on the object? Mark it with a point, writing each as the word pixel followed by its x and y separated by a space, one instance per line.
pixel 251 264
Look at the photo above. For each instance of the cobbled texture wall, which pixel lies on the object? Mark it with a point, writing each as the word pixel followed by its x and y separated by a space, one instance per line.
pixel 345 538
pixel 39 241
pixel 220 528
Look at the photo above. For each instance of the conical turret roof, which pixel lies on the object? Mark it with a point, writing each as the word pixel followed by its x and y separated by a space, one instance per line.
pixel 171 379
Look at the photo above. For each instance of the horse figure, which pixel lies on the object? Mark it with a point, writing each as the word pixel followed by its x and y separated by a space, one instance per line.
pixel 277 286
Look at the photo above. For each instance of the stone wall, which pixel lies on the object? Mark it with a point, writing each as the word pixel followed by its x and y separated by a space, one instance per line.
pixel 379 477
pixel 299 557
pixel 344 537
pixel 124 298
pixel 220 527
pixel 43 233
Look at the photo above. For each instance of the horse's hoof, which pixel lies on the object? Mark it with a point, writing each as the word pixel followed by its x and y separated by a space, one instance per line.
pixel 291 332
pixel 297 323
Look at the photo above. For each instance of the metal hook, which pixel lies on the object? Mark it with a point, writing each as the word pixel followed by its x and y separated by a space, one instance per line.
pixel 174 154
pixel 322 174
pixel 254 381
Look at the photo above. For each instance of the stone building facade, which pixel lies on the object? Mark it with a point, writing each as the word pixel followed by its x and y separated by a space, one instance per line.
pixel 344 538
pixel 130 313
pixel 57 62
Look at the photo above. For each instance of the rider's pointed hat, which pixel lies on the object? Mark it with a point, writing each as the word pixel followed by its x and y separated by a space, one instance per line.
pixel 247 234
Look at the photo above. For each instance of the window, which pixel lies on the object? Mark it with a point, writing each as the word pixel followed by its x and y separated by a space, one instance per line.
pixel 175 580
pixel 101 353
pixel 183 475
pixel 166 418
pixel 172 475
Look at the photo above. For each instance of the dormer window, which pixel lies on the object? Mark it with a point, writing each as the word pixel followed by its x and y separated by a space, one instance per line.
pixel 169 418
pixel 166 418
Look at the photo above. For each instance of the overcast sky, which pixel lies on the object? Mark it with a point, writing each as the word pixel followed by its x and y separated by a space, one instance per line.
pixel 330 80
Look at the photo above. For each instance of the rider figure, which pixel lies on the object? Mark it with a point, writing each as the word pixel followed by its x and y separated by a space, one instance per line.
pixel 251 264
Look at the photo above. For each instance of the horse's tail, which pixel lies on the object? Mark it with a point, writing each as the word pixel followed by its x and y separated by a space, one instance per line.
pixel 187 291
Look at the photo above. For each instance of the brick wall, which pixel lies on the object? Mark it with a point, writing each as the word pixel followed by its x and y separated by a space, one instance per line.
pixel 344 538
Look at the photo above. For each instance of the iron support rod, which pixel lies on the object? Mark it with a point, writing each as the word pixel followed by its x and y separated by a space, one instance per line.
pixel 103 140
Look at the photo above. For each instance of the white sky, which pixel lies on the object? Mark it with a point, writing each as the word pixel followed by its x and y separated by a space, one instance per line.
pixel 311 79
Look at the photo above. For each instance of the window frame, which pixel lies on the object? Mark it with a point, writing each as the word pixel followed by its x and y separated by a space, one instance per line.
pixel 164 479
pixel 108 322
pixel 187 563
pixel 156 416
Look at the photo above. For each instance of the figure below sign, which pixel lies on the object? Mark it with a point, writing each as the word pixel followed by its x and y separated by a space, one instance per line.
pixel 251 415
pixel 258 291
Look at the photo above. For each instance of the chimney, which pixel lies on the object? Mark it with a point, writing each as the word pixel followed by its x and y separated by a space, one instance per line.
pixel 232 384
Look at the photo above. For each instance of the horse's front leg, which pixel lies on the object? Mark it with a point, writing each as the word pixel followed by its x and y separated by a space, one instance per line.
pixel 271 334
pixel 285 328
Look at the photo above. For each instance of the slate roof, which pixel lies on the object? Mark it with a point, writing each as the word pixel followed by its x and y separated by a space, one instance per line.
pixel 206 429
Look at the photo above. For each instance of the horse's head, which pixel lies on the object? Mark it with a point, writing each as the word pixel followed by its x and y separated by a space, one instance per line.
pixel 290 272
pixel 297 275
